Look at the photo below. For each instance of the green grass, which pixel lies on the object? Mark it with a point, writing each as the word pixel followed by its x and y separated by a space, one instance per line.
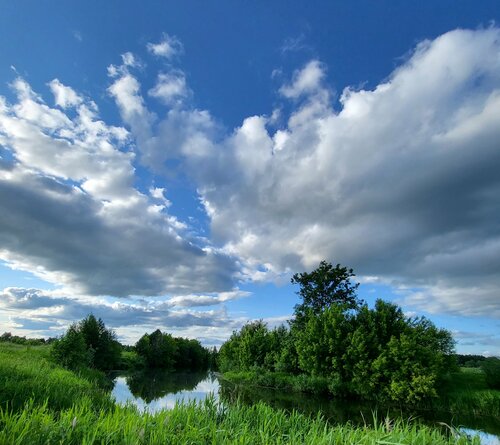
pixel 277 380
pixel 204 423
pixel 41 403
pixel 466 392
pixel 26 372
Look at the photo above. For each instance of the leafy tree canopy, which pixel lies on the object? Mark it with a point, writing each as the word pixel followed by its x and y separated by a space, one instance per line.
pixel 326 286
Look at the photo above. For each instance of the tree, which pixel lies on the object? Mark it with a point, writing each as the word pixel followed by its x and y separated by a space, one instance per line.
pixel 159 350
pixel 324 287
pixel 101 343
pixel 70 350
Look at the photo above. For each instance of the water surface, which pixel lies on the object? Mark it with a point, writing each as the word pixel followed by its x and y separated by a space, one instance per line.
pixel 156 390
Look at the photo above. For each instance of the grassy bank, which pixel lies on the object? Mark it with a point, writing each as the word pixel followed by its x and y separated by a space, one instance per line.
pixel 41 403
pixel 465 392
pixel 278 380
pixel 26 372
pixel 204 423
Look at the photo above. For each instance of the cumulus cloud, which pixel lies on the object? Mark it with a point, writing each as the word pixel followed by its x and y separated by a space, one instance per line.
pixel 170 88
pixel 70 214
pixel 401 183
pixel 167 47
pixel 64 96
pixel 305 81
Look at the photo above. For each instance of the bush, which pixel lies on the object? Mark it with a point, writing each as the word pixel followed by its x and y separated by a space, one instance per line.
pixel 71 351
pixel 310 384
pixel 491 368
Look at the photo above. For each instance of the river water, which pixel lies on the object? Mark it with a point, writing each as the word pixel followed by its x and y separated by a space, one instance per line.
pixel 156 390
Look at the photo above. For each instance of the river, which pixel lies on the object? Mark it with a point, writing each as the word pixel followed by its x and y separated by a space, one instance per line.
pixel 156 390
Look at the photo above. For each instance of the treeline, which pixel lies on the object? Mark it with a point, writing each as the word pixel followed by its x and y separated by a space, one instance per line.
pixel 337 342
pixel 470 361
pixel 162 350
pixel 8 337
pixel 89 344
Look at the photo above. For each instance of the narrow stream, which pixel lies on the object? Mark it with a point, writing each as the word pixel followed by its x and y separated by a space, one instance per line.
pixel 154 391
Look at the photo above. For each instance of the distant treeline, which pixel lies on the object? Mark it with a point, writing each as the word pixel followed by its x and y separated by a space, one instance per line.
pixel 8 337
pixel 162 350
pixel 469 361
pixel 90 344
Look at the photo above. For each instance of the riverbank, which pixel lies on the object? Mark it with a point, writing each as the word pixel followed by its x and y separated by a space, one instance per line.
pixel 465 392
pixel 43 403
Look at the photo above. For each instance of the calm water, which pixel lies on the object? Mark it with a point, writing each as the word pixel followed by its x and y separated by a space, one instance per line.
pixel 153 391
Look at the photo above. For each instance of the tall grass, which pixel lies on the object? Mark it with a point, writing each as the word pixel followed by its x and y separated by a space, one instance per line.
pixel 26 373
pixel 466 392
pixel 203 423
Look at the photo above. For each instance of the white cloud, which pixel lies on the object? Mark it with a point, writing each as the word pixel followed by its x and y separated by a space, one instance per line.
pixel 305 81
pixel 64 96
pixel 170 88
pixel 129 60
pixel 401 183
pixel 167 47
pixel 70 213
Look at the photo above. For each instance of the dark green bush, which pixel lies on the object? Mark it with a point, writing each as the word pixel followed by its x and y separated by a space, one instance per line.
pixel 491 368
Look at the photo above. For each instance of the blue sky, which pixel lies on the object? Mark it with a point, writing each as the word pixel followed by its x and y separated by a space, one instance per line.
pixel 172 164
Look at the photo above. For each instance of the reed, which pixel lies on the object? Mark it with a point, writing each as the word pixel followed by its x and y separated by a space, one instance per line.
pixel 202 423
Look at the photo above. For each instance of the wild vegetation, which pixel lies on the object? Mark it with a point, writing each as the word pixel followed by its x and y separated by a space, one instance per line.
pixel 57 392
pixel 336 343
pixel 45 404
pixel 88 344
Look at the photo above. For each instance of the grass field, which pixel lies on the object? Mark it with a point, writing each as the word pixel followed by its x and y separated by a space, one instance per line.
pixel 26 373
pixel 42 403
pixel 466 392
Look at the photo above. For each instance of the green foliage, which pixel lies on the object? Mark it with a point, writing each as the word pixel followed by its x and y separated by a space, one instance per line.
pixel 466 391
pixel 104 349
pixel 88 343
pixel 469 360
pixel 8 337
pixel 491 369
pixel 324 287
pixel 48 404
pixel 161 350
pixel 254 346
pixel 71 351
pixel 366 353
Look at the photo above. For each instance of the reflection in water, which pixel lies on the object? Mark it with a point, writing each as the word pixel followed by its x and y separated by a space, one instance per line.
pixel 154 384
pixel 156 390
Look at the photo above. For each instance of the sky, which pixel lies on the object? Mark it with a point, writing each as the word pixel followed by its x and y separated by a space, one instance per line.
pixel 171 164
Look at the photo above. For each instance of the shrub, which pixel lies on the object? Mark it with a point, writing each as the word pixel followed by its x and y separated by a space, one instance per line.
pixel 491 368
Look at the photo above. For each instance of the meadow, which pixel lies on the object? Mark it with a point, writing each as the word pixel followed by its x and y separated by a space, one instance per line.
pixel 42 403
